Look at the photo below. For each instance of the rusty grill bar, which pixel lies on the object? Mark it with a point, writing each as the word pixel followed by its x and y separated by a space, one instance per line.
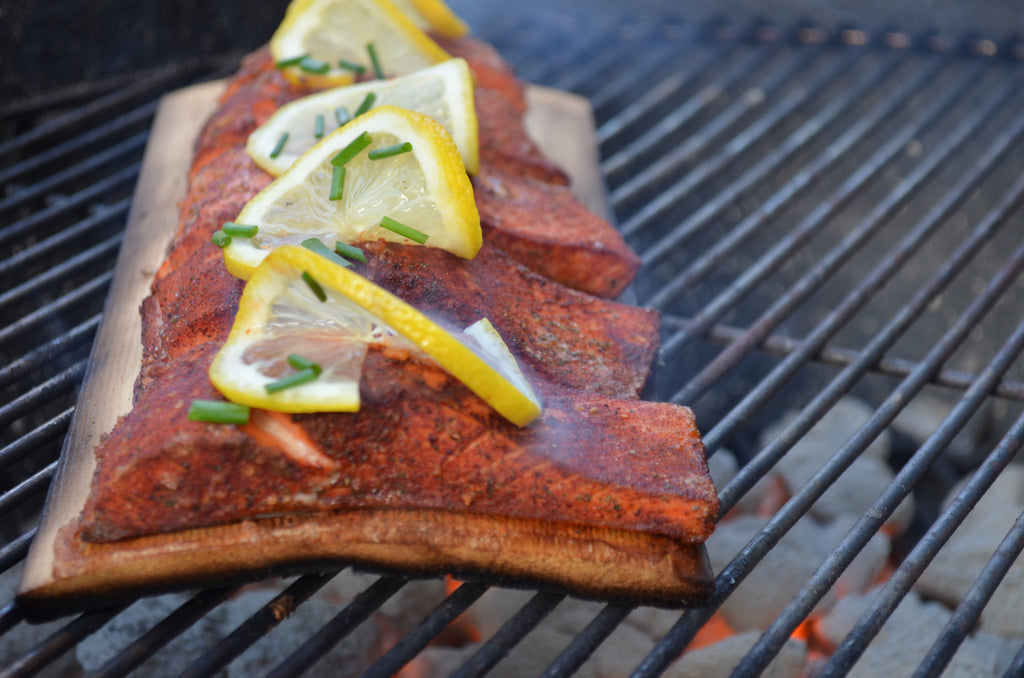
pixel 819 215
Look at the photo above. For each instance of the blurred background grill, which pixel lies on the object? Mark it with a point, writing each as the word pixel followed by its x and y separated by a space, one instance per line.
pixel 827 205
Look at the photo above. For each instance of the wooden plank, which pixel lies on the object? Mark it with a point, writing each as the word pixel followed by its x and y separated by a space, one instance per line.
pixel 561 123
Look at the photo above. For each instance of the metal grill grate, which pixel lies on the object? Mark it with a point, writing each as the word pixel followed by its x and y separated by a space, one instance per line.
pixel 819 216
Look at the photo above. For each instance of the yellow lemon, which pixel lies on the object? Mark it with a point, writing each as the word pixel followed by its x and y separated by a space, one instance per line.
pixel 433 15
pixel 444 92
pixel 302 331
pixel 324 43
pixel 401 179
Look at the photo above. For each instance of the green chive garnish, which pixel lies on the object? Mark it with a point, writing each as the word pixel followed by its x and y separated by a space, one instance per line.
pixel 371 49
pixel 351 66
pixel 300 363
pixel 342 115
pixel 240 230
pixel 280 145
pixel 218 412
pixel 220 239
pixel 352 150
pixel 337 183
pixel 315 286
pixel 350 251
pixel 300 377
pixel 403 230
pixel 323 250
pixel 367 103
pixel 388 151
pixel 318 127
pixel 311 65
pixel 292 61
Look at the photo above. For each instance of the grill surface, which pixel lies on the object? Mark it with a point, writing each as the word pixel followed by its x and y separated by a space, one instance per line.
pixel 820 215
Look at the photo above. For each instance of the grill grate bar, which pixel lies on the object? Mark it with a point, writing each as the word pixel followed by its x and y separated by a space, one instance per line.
pixel 730 577
pixel 259 624
pixel 26 489
pixel 829 263
pixel 413 642
pixel 102 251
pixel 915 563
pixel 116 183
pixel 885 338
pixel 509 635
pixel 639 71
pixel 652 98
pixel 15 551
pixel 132 146
pixel 80 143
pixel 57 243
pixel 152 85
pixel 870 283
pixel 70 300
pixel 36 438
pixel 354 614
pixel 670 162
pixel 580 53
pixel 782 345
pixel 60 642
pixel 872 520
pixel 166 630
pixel 587 640
pixel 655 136
pixel 61 383
pixel 762 168
pixel 787 244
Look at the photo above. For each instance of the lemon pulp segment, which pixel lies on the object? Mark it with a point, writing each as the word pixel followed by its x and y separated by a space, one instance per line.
pixel 426 189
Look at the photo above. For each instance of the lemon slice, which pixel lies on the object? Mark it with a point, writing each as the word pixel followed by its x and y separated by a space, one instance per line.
pixel 299 303
pixel 433 15
pixel 425 189
pixel 444 92
pixel 334 34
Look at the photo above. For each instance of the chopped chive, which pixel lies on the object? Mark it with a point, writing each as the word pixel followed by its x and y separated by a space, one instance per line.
pixel 371 49
pixel 351 66
pixel 352 149
pixel 342 115
pixel 367 103
pixel 323 250
pixel 315 286
pixel 350 251
pixel 311 65
pixel 403 230
pixel 218 412
pixel 318 126
pixel 240 230
pixel 280 145
pixel 300 363
pixel 291 61
pixel 220 239
pixel 300 377
pixel 388 151
pixel 337 183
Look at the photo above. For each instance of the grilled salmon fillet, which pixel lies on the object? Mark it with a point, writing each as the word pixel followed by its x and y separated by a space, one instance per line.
pixel 421 440
pixel 259 90
pixel 603 495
